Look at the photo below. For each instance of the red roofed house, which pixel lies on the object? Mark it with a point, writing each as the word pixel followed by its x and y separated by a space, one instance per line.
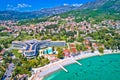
pixel 72 45
pixel 74 50
pixel 66 53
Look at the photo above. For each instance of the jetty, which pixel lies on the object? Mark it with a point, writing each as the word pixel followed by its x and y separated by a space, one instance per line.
pixel 76 62
pixel 63 68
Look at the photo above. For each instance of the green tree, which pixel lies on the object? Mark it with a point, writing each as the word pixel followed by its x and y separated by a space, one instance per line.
pixel 80 39
pixel 54 38
pixel 83 47
pixel 92 49
pixel 60 53
pixel 101 50
pixel 0 48
pixel 78 47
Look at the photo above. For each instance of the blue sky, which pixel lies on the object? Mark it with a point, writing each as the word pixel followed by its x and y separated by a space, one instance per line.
pixel 31 5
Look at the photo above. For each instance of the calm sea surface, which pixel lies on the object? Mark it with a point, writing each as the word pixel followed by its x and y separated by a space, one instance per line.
pixel 105 67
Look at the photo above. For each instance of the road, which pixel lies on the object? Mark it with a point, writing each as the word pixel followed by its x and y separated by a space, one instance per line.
pixel 8 73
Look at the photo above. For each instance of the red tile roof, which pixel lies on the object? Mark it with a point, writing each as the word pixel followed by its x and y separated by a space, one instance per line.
pixel 72 45
pixel 74 50
pixel 94 44
pixel 88 47
pixel 66 51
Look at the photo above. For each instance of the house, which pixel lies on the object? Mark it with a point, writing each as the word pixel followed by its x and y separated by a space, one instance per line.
pixel 73 48
pixel 66 53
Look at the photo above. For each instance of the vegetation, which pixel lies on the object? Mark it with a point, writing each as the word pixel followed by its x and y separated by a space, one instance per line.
pixel 2 28
pixel 6 42
pixel 108 37
pixel 32 21
pixel 92 49
pixel 6 60
pixel 109 10
pixel 2 70
pixel 93 16
pixel 16 53
pixel 80 47
pixel 4 34
pixel 60 53
pixel 1 48
pixel 101 50
pixel 79 39
pixel 24 66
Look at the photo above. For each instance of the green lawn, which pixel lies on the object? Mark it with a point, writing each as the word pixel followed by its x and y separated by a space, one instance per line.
pixel 16 53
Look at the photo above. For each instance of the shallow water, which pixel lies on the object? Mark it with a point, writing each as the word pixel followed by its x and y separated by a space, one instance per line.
pixel 105 67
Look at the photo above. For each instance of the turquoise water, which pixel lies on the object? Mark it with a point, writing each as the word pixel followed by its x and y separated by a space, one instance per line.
pixel 105 67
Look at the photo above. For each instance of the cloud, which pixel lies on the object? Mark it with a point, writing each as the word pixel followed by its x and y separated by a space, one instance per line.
pixel 75 5
pixel 10 7
pixel 23 5
pixel 18 6
pixel 65 4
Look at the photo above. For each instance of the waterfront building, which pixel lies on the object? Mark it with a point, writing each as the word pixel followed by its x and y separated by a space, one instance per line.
pixel 31 48
pixel 66 53
pixel 18 45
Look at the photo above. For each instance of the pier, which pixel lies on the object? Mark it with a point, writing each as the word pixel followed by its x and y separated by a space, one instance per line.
pixel 76 62
pixel 63 68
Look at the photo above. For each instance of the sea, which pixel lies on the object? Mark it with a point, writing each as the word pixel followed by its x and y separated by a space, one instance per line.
pixel 106 67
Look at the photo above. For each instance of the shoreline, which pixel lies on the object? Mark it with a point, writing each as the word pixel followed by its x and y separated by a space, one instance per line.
pixel 41 72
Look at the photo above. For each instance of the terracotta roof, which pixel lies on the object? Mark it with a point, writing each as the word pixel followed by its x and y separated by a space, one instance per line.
pixel 88 47
pixel 72 45
pixel 94 44
pixel 66 51
pixel 74 50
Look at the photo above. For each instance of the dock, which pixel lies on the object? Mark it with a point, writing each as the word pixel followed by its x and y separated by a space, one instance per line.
pixel 63 68
pixel 77 62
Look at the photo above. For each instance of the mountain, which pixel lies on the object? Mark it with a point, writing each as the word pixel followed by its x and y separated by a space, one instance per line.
pixel 15 15
pixel 96 7
pixel 99 11
pixel 103 4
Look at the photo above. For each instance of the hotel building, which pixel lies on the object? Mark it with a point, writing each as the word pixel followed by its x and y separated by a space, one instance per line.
pixel 31 48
